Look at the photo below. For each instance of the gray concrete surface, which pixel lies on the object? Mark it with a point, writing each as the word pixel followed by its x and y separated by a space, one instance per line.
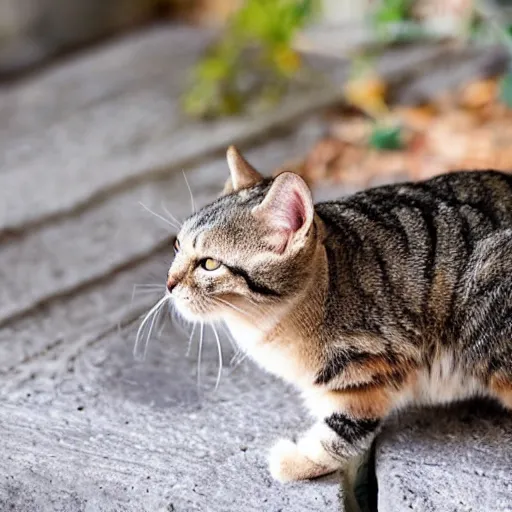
pixel 84 426
pixel 447 460
pixel 98 431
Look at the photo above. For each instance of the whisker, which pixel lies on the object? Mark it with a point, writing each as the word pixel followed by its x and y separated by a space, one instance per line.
pixel 178 321
pixel 189 344
pixel 144 322
pixel 236 308
pixel 147 288
pixel 219 351
pixel 234 358
pixel 262 309
pixel 156 315
pixel 159 216
pixel 249 316
pixel 192 203
pixel 237 360
pixel 200 349
pixel 230 339
pixel 171 216
pixel 162 327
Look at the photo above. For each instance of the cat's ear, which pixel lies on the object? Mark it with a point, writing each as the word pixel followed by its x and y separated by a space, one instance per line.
pixel 242 173
pixel 287 210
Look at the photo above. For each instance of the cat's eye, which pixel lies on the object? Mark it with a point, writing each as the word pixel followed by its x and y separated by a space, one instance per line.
pixel 176 245
pixel 210 264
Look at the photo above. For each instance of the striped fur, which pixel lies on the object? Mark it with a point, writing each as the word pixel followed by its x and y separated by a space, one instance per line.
pixel 397 295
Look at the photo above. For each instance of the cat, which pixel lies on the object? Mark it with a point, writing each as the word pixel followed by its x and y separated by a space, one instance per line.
pixel 397 295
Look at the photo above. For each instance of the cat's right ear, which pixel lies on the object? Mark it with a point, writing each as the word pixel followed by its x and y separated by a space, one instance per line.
pixel 287 210
pixel 242 173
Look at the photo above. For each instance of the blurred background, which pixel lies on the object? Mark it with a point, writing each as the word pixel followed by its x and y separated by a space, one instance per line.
pixel 392 114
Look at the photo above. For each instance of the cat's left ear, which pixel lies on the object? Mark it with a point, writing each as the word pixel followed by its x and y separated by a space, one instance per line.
pixel 287 209
pixel 242 173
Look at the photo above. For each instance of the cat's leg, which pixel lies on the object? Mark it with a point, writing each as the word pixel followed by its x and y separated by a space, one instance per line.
pixel 309 457
pixel 344 433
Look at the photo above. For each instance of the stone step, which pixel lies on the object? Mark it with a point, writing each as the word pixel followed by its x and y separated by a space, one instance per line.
pixel 447 460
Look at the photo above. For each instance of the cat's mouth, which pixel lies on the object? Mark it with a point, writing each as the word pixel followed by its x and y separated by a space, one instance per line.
pixel 193 309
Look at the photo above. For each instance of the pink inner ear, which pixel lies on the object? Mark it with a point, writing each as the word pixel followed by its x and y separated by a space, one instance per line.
pixel 291 212
pixel 287 217
pixel 286 209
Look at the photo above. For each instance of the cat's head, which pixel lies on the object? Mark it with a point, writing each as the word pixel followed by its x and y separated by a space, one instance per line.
pixel 248 248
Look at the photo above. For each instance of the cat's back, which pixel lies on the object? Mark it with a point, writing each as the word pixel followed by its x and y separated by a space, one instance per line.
pixel 400 251
pixel 470 203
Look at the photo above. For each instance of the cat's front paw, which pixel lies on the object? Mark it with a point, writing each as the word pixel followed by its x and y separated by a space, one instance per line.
pixel 287 463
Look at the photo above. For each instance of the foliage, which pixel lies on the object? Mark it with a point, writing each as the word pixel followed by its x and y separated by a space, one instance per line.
pixel 489 15
pixel 254 59
pixel 393 23
pixel 392 11
pixel 384 137
pixel 506 89
pixel 366 89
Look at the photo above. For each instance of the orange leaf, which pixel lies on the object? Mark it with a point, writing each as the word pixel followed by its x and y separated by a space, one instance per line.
pixel 478 94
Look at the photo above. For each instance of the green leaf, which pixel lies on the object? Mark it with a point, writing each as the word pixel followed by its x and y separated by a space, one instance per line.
pixel 392 11
pixel 266 27
pixel 386 137
pixel 213 69
pixel 506 89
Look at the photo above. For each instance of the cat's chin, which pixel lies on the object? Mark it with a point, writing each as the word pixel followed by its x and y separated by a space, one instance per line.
pixel 191 316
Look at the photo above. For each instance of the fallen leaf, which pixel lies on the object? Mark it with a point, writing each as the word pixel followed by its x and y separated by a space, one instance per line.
pixel 478 94
pixel 416 118
pixel 353 130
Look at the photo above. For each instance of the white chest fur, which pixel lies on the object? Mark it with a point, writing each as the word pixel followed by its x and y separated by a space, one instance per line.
pixel 273 356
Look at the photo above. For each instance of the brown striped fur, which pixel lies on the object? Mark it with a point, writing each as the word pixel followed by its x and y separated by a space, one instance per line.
pixel 397 295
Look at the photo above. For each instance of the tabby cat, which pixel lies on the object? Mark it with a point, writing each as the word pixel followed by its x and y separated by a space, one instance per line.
pixel 398 295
